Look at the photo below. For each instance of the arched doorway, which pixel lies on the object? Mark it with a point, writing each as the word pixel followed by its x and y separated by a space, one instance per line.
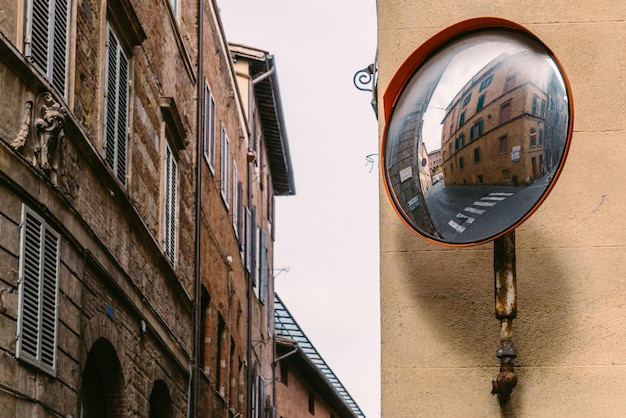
pixel 160 401
pixel 102 387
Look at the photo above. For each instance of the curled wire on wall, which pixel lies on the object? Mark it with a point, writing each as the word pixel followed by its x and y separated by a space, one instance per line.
pixel 369 161
pixel 3 309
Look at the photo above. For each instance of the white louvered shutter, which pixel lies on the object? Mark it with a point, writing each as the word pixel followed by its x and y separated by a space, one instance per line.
pixel 171 178
pixel 48 39
pixel 262 266
pixel 116 107
pixel 39 272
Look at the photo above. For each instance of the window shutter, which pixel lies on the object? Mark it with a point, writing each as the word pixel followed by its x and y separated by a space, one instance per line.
pixel 39 27
pixel 235 199
pixel 59 44
pixel 241 209
pixel 39 272
pixel 262 266
pixel 116 107
pixel 170 205
pixel 47 42
pixel 31 254
pixel 49 298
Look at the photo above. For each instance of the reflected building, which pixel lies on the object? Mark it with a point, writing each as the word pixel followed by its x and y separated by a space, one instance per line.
pixel 408 167
pixel 434 161
pixel 501 128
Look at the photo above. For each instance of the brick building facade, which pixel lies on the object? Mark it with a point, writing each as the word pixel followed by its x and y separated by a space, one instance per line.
pixel 137 182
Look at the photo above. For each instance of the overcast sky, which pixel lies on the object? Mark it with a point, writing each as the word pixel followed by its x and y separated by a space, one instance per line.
pixel 327 234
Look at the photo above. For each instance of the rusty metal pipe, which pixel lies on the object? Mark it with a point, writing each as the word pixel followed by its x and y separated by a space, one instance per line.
pixel 506 310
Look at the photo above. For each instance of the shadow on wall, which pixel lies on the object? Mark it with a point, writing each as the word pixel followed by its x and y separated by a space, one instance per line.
pixel 452 292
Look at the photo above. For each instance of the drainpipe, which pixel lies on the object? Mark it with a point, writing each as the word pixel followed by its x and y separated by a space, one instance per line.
pixel 506 311
pixel 197 304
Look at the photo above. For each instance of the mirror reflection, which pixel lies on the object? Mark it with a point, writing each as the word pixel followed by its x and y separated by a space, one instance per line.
pixel 477 137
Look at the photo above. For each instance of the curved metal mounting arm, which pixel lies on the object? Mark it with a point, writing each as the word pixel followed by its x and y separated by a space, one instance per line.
pixel 366 80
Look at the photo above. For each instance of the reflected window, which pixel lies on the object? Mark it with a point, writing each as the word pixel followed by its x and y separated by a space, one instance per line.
pixel 509 83
pixel 459 142
pixel 505 112
pixel 485 83
pixel 535 104
pixel 467 99
pixel 476 130
pixel 481 102
pixel 503 144
pixel 533 137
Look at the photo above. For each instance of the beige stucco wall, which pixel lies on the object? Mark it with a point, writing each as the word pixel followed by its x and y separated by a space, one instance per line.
pixel 439 333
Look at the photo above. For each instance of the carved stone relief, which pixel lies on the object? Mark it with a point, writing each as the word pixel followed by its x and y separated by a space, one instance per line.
pixel 41 132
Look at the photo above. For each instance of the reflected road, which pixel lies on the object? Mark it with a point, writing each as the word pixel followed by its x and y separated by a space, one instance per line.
pixel 464 214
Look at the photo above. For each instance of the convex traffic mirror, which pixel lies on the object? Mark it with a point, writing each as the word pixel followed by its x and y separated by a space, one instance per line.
pixel 478 125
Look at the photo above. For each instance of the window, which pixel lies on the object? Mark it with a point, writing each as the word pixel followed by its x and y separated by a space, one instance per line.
pixel 476 130
pixel 311 403
pixel 284 372
pixel 38 292
pixel 47 39
pixel 503 144
pixel 461 163
pixel 205 299
pixel 476 155
pixel 506 174
pixel 209 128
pixel 535 104
pixel 467 99
pixel 509 83
pixel 262 266
pixel 248 245
pixel 543 108
pixel 261 397
pixel 462 119
pixel 480 178
pixel 485 83
pixel 540 136
pixel 481 102
pixel 505 112
pixel 116 106
pixel 236 197
pixel 225 175
pixel 220 366
pixel 169 211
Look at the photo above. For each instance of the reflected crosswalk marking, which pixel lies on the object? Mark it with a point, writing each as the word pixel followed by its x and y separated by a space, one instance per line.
pixel 478 208
pixel 456 226
pixel 474 210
